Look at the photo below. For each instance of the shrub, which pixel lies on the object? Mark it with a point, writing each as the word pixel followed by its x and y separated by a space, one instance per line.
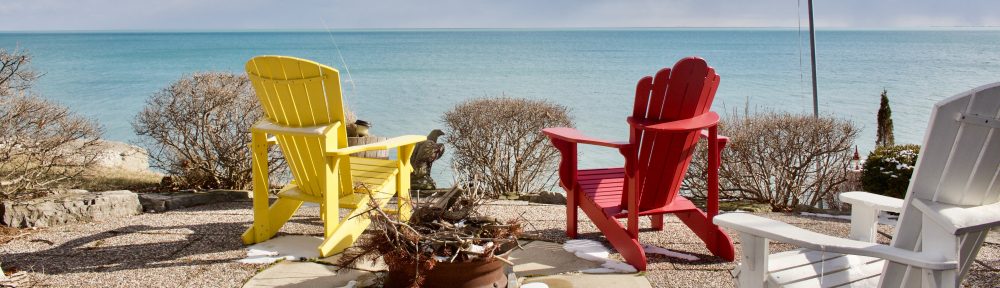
pixel 888 169
pixel 15 76
pixel 498 142
pixel 782 159
pixel 44 144
pixel 198 129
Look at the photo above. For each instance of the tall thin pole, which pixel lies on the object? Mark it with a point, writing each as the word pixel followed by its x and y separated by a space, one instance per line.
pixel 812 52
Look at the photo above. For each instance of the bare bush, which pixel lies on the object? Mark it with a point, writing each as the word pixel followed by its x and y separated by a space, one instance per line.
pixel 498 142
pixel 782 159
pixel 44 144
pixel 15 75
pixel 198 129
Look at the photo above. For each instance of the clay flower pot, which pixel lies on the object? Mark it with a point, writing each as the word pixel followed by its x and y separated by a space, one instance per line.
pixel 476 274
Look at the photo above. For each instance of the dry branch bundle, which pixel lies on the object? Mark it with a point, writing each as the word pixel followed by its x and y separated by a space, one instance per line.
pixel 448 230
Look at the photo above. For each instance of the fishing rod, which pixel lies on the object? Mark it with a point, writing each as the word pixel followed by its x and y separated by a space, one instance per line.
pixel 350 79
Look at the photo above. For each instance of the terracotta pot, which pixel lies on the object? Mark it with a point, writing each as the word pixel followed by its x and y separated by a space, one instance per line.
pixel 477 274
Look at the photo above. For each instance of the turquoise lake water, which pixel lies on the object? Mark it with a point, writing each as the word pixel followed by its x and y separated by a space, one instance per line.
pixel 403 80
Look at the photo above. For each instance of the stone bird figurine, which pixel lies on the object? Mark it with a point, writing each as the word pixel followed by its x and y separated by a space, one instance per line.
pixel 424 155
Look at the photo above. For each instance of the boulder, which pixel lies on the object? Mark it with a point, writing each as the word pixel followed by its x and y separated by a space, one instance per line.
pixel 162 202
pixel 546 197
pixel 76 206
pixel 121 156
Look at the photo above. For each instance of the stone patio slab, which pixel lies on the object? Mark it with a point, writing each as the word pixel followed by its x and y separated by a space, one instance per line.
pixel 547 258
pixel 591 280
pixel 307 274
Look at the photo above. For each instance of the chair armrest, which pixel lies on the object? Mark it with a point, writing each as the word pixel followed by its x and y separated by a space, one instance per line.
pixel 722 139
pixel 878 202
pixel 695 123
pixel 865 209
pixel 960 219
pixel 380 145
pixel 574 136
pixel 785 233
pixel 266 126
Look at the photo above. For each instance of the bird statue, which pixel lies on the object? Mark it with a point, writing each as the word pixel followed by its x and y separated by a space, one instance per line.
pixel 424 155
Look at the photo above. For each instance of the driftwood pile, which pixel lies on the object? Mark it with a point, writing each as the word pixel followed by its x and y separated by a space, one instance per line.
pixel 445 229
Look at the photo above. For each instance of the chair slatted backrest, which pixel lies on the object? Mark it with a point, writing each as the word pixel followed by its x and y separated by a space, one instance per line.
pixel 683 92
pixel 301 93
pixel 958 164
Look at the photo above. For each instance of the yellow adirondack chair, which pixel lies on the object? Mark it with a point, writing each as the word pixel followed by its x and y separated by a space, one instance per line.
pixel 305 118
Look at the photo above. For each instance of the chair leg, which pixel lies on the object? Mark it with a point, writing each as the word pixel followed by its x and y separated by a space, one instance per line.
pixel 657 222
pixel 571 206
pixel 345 233
pixel 715 239
pixel 266 224
pixel 753 269
pixel 618 236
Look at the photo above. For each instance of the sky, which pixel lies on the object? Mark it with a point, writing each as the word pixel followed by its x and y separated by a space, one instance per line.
pixel 54 15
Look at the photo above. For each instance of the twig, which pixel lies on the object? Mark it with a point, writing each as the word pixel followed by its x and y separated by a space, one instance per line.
pixel 503 260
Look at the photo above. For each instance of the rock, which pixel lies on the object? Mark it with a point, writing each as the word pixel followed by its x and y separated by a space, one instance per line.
pixel 112 154
pixel 76 206
pixel 107 155
pixel 546 197
pixel 162 202
pixel 122 156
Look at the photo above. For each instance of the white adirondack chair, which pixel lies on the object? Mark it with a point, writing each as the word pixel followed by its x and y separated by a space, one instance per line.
pixel 950 207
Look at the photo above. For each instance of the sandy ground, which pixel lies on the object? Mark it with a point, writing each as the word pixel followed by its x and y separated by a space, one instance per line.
pixel 199 247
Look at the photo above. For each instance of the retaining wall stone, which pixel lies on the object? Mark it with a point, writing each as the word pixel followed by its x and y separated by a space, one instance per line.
pixel 76 206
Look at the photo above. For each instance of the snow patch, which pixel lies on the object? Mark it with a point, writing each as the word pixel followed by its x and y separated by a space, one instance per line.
pixel 594 251
pixel 611 267
pixel 284 247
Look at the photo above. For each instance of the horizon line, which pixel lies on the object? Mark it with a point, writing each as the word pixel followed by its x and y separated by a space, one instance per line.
pixel 278 30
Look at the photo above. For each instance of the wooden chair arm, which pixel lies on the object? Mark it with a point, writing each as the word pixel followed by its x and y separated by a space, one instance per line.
pixel 785 233
pixel 722 139
pixel 575 136
pixel 381 145
pixel 266 126
pixel 865 208
pixel 960 219
pixel 878 202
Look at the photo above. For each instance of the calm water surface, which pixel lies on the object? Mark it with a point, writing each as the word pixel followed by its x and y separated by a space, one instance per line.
pixel 404 80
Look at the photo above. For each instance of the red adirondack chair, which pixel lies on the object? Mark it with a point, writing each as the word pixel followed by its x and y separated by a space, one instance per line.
pixel 671 113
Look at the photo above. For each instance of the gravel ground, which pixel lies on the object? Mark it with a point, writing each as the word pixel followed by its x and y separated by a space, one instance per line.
pixel 198 247
pixel 548 223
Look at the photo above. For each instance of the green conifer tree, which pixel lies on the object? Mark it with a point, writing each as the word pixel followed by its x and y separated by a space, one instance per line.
pixel 884 132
